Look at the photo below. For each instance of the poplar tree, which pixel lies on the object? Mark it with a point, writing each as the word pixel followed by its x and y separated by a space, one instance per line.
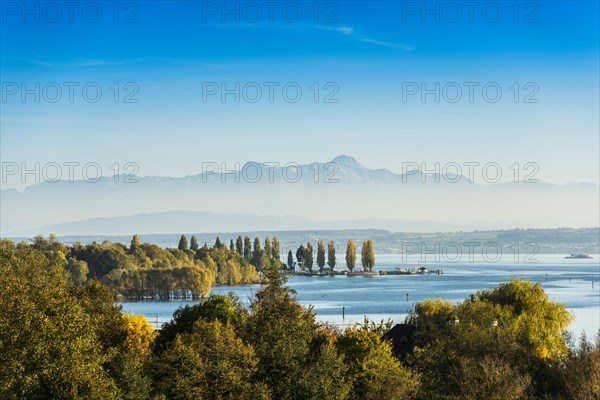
pixel 183 243
pixel 256 253
pixel 247 248
pixel 268 248
pixel 308 256
pixel 256 246
pixel 300 256
pixel 350 255
pixel 368 255
pixel 321 255
pixel 331 255
pixel 276 248
pixel 239 245
pixel 290 260
pixel 194 243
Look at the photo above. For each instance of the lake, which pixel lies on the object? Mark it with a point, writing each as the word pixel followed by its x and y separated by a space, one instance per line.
pixel 568 281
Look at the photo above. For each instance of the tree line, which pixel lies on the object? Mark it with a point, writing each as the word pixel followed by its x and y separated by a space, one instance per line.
pixel 144 270
pixel 305 259
pixel 261 258
pixel 67 341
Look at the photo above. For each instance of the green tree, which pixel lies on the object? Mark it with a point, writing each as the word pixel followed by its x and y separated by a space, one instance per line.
pixel 326 377
pixel 268 248
pixel 372 369
pixel 281 332
pixel 210 362
pixel 321 255
pixel 331 256
pixel 507 337
pixel 256 249
pixel 183 243
pixel 290 260
pixel 218 243
pixel 135 244
pixel 276 248
pixel 239 245
pixel 78 270
pixel 308 257
pixel 301 256
pixel 539 321
pixel 350 255
pixel 194 244
pixel 231 245
pixel 227 309
pixel 368 255
pixel 49 345
pixel 247 248
pixel 581 370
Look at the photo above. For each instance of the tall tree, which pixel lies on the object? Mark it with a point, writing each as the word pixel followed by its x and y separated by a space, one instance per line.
pixel 276 248
pixel 368 255
pixel 308 256
pixel 218 243
pixel 321 255
pixel 281 332
pixel 135 244
pixel 290 260
pixel 239 245
pixel 371 256
pixel 257 249
pixel 300 257
pixel 247 248
pixel 350 255
pixel 331 255
pixel 194 243
pixel 231 246
pixel 268 248
pixel 183 243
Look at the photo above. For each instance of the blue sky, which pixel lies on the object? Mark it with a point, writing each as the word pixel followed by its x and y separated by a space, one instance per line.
pixel 367 52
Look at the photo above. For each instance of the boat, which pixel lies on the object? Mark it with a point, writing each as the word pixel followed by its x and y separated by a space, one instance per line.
pixel 579 256
pixel 404 271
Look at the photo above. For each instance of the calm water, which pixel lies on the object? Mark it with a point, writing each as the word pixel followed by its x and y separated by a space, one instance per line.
pixel 382 297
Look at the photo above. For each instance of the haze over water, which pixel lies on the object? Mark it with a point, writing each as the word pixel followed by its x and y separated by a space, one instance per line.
pixel 566 281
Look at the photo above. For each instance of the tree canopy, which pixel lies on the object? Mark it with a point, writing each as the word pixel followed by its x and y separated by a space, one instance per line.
pixel 63 337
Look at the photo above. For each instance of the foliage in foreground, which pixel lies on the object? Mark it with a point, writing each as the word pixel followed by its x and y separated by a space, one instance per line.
pixel 59 341
pixel 63 340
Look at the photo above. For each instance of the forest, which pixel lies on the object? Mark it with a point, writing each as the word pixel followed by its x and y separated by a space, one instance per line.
pixel 62 339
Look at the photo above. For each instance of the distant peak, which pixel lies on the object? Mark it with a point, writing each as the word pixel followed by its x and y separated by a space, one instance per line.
pixel 346 160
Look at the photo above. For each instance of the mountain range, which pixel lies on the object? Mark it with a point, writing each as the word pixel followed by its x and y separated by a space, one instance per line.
pixel 340 194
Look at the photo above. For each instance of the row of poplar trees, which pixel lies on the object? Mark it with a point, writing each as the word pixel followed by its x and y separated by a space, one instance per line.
pixel 304 256
pixel 253 253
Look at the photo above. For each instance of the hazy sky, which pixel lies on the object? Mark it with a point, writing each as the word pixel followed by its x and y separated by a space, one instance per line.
pixel 374 58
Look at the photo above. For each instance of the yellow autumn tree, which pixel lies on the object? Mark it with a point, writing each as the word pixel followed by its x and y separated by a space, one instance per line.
pixel 140 336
